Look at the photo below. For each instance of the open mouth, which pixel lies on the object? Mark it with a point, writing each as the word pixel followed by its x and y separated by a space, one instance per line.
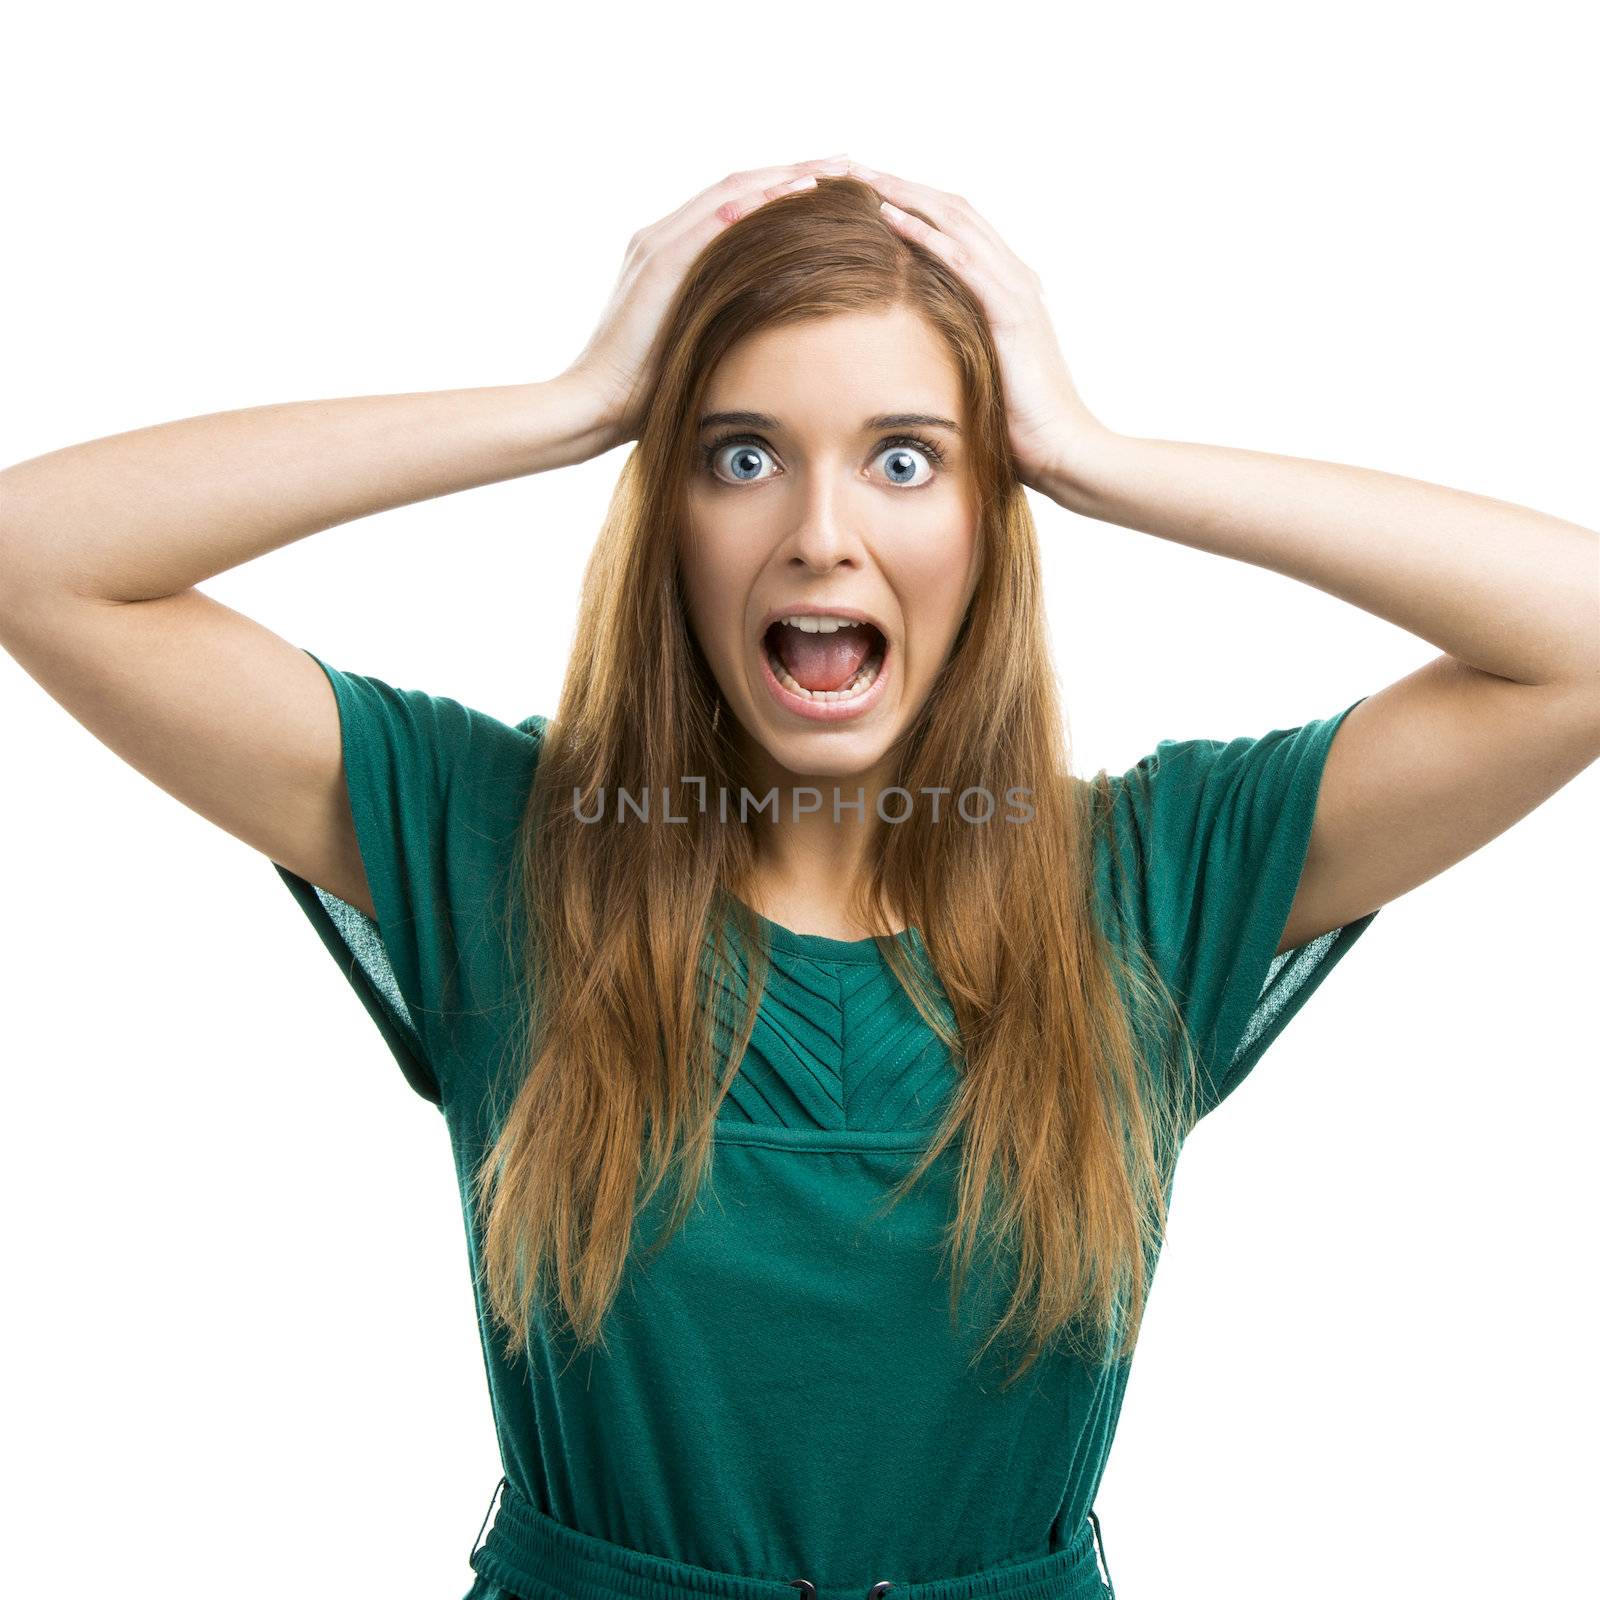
pixel 839 664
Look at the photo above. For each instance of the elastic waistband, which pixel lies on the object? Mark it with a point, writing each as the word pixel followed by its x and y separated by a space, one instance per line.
pixel 538 1558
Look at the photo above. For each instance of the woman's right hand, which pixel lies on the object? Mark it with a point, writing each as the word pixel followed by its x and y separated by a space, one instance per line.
pixel 616 364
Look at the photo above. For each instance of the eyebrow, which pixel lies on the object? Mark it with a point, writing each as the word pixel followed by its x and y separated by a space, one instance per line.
pixel 892 419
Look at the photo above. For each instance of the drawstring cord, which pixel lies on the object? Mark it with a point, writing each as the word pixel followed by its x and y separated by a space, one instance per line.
pixel 808 1590
pixel 485 1523
pixel 1100 1544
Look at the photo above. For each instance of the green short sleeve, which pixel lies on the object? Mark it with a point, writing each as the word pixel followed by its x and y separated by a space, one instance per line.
pixel 1211 836
pixel 437 791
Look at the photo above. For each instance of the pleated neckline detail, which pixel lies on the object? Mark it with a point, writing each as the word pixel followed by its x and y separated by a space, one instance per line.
pixel 838 1044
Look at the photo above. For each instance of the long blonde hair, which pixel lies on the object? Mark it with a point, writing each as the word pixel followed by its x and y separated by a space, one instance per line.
pixel 619 1074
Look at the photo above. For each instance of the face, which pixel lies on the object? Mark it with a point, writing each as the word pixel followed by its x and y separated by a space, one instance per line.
pixel 825 504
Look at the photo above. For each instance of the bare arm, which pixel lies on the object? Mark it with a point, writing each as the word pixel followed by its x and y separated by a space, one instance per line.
pixel 101 545
pixel 1426 770
pixel 140 515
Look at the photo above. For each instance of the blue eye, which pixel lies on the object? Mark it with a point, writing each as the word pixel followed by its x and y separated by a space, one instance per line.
pixel 743 456
pixel 751 446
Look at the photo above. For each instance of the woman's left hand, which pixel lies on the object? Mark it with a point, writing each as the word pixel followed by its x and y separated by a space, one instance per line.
pixel 1048 423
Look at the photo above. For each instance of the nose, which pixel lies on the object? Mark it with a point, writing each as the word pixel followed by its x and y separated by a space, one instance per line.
pixel 828 529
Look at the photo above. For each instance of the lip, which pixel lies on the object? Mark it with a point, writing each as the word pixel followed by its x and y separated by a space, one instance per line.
pixel 826 710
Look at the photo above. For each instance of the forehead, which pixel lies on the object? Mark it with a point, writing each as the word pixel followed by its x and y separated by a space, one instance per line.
pixel 839 368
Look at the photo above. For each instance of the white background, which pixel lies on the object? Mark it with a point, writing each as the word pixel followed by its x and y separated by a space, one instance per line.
pixel 241 1356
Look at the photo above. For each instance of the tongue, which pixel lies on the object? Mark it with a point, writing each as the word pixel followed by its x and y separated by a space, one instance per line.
pixel 823 661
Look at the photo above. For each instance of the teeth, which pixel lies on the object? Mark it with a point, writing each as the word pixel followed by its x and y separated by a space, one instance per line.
pixel 820 624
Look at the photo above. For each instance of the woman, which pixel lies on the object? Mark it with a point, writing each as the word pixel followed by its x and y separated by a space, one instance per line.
pixel 794 900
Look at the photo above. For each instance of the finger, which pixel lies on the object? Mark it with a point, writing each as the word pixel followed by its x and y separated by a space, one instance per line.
pixel 950 212
pixel 950 250
pixel 987 257
pixel 972 266
pixel 738 184
pixel 730 209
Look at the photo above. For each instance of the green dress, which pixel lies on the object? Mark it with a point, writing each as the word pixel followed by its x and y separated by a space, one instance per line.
pixel 785 1402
